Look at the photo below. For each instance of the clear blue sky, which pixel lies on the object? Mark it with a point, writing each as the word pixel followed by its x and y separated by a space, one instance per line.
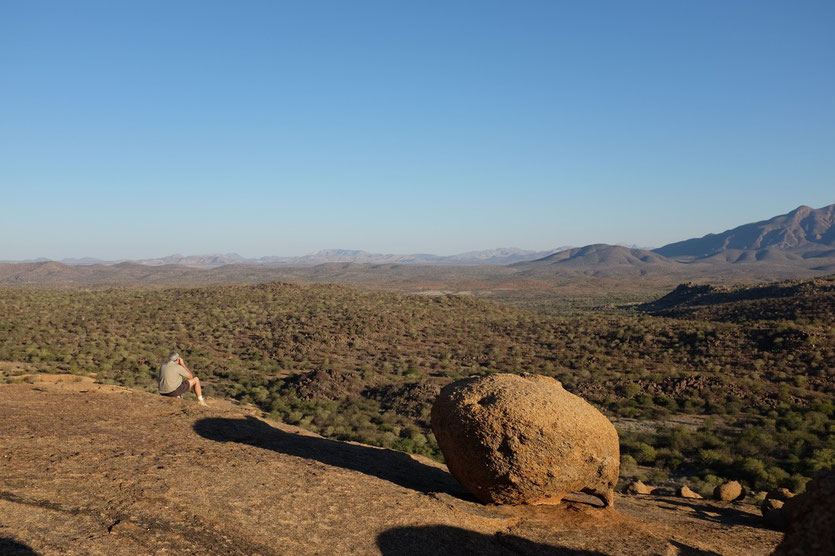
pixel 135 129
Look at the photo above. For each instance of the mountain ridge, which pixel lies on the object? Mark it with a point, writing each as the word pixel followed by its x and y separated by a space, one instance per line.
pixel 803 240
pixel 798 244
pixel 803 229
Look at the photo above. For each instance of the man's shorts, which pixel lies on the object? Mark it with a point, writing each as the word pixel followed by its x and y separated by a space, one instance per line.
pixel 179 391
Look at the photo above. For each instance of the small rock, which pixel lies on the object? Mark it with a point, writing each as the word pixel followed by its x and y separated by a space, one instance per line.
pixel 730 490
pixel 770 504
pixel 782 494
pixel 759 495
pixel 638 487
pixel 123 527
pixel 685 492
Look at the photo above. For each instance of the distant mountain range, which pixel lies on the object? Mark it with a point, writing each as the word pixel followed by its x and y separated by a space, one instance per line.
pixel 803 240
pixel 794 245
pixel 502 256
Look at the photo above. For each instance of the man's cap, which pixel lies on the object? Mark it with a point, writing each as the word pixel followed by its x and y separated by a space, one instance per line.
pixel 173 356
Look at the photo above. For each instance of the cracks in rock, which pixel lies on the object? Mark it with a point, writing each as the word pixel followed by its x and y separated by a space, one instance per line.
pixel 112 525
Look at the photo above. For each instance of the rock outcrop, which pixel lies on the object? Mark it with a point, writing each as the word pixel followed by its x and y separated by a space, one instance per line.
pixel 638 487
pixel 85 471
pixel 728 491
pixel 770 504
pixel 810 518
pixel 523 439
pixel 685 492
pixel 781 494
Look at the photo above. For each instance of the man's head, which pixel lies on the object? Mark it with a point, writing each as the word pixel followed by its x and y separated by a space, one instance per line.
pixel 173 356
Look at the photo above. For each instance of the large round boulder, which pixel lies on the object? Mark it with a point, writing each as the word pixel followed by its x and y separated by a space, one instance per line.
pixel 522 439
pixel 730 490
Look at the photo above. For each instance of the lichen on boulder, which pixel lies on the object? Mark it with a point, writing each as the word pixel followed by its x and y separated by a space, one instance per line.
pixel 523 439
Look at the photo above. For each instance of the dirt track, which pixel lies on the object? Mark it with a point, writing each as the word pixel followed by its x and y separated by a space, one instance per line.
pixel 93 469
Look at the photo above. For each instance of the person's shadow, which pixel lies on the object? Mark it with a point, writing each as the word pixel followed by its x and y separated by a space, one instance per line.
pixel 388 465
pixel 726 516
pixel 10 547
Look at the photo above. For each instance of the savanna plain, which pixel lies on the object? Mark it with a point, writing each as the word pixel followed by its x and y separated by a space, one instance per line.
pixel 705 383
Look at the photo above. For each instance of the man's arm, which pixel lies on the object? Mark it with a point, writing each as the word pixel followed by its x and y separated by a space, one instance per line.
pixel 183 365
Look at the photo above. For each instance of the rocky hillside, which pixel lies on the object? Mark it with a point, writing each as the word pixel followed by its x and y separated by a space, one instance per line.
pixel 602 258
pixel 807 300
pixel 804 230
pixel 95 469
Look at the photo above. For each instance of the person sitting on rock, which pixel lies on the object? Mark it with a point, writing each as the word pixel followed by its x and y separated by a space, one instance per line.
pixel 175 379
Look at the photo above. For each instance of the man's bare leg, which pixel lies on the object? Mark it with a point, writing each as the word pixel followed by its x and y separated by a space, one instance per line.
pixel 194 383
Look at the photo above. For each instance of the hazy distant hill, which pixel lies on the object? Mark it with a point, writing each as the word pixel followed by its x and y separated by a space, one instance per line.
pixel 603 260
pixel 488 257
pixel 351 256
pixel 804 232
pixel 80 261
pixel 509 255
pixel 500 256
pixel 602 254
pixel 194 260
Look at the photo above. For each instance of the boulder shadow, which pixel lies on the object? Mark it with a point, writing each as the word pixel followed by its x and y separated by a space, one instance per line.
pixel 11 547
pixel 454 541
pixel 686 550
pixel 726 516
pixel 395 467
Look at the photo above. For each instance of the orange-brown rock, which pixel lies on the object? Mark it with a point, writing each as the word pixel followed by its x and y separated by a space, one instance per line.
pixel 781 494
pixel 686 492
pixel 523 439
pixel 730 490
pixel 80 459
pixel 770 504
pixel 638 487
pixel 810 518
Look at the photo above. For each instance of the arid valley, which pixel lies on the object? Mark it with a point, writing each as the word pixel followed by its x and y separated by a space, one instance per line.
pixel 705 382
